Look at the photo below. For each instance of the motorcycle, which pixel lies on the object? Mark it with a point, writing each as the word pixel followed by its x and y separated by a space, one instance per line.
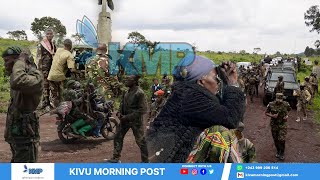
pixel 108 128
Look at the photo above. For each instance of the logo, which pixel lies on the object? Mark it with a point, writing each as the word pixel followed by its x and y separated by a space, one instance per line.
pixel 239 167
pixel 240 175
pixel 211 171
pixel 184 171
pixel 32 170
pixel 203 171
pixel 194 172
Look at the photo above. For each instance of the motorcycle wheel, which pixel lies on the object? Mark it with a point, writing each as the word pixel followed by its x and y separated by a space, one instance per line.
pixel 105 129
pixel 65 139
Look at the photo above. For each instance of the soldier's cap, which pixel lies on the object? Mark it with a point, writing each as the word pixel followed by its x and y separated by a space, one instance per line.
pixel 240 127
pixel 12 50
pixel 279 96
pixel 159 93
pixel 280 77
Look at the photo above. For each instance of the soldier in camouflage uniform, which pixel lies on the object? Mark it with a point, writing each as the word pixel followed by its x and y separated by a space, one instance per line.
pixel 314 83
pixel 278 111
pixel 45 52
pixel 279 86
pixel 252 85
pixel 98 71
pixel 308 85
pixel 132 108
pixel 246 148
pixel 303 97
pixel 22 123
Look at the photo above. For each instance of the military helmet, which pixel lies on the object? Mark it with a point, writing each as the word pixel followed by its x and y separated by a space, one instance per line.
pixel 302 85
pixel 307 77
pixel 280 77
pixel 279 96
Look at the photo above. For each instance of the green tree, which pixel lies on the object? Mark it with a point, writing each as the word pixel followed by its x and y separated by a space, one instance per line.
pixel 136 38
pixel 242 52
pixel 18 35
pixel 38 26
pixel 312 18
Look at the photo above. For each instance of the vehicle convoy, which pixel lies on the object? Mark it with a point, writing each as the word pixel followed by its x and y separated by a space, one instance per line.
pixel 290 84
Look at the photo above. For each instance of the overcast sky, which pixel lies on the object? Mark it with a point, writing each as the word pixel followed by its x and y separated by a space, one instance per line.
pixel 219 25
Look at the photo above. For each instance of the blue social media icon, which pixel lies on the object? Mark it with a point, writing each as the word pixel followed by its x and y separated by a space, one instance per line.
pixel 203 171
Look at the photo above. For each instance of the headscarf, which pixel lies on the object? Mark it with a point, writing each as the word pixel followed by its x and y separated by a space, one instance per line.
pixel 192 68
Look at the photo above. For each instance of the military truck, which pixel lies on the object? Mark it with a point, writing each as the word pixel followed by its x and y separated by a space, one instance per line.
pixel 290 84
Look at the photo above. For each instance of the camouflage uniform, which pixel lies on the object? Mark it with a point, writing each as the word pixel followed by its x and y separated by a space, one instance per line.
pixel 98 71
pixel 251 86
pixel 303 97
pixel 133 106
pixel 279 86
pixel 246 148
pixel 308 85
pixel 22 123
pixel 314 83
pixel 279 125
pixel 45 56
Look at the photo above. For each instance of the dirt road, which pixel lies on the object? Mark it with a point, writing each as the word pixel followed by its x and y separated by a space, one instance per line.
pixel 303 141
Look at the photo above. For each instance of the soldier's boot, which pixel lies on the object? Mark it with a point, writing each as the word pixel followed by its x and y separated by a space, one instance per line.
pixel 85 129
pixel 304 118
pixel 113 160
pixel 278 150
pixel 74 126
pixel 282 148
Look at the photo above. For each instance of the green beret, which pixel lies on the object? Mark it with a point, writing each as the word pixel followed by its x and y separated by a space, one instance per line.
pixel 12 50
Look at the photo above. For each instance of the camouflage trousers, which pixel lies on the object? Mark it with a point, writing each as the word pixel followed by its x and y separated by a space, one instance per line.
pixel 24 153
pixel 46 89
pixel 56 89
pixel 279 136
pixel 138 132
pixel 301 107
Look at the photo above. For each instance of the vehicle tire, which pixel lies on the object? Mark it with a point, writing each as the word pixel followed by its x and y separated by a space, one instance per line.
pixel 265 101
pixel 107 132
pixel 66 139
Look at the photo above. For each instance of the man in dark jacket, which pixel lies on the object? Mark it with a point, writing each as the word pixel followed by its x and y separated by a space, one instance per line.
pixel 132 108
pixel 195 106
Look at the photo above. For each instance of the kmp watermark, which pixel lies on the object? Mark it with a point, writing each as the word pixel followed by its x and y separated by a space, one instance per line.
pixel 140 58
